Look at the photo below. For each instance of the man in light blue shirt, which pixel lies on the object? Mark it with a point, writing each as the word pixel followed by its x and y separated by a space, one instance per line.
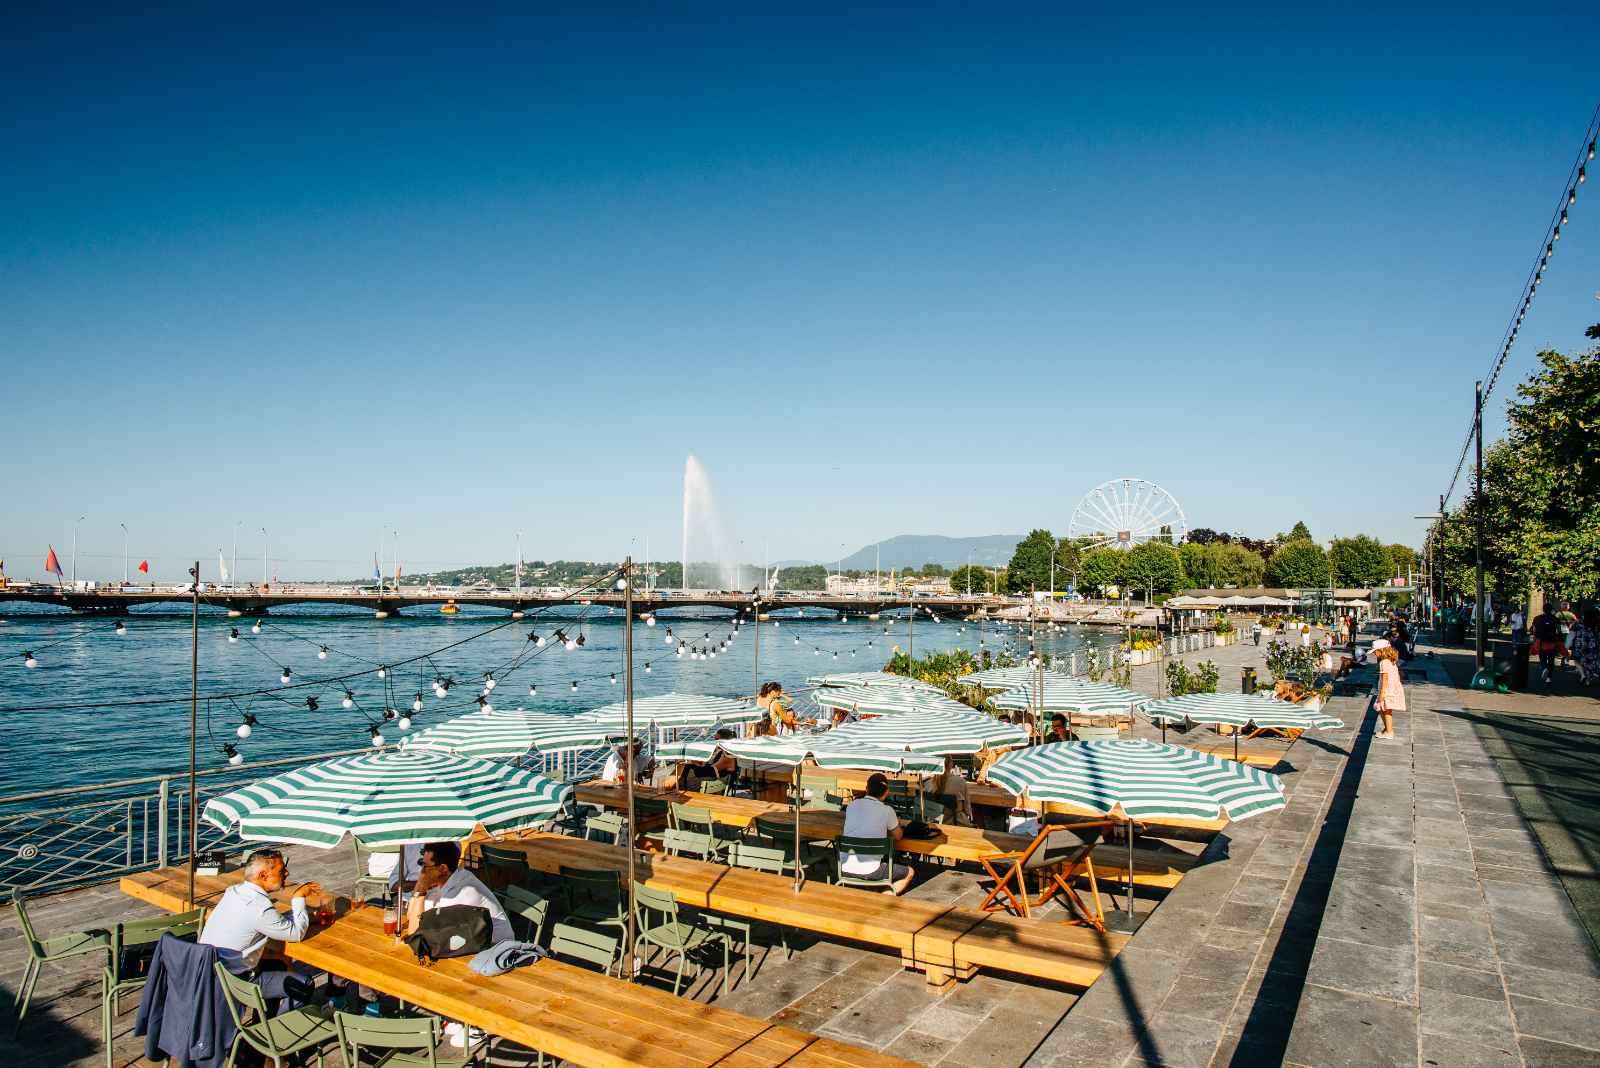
pixel 245 920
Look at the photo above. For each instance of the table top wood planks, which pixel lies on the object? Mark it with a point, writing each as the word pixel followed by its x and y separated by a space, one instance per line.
pixel 569 1012
pixel 942 941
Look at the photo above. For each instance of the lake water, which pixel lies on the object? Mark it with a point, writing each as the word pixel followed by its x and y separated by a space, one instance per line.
pixel 82 662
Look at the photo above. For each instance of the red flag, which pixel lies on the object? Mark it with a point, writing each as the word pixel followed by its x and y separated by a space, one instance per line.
pixel 145 567
pixel 51 564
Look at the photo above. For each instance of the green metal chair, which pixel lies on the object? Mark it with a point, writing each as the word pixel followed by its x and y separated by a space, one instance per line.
pixel 661 925
pixel 368 886
pixel 502 867
pixel 274 1037
pixel 699 821
pixel 778 832
pixel 594 897
pixel 527 909
pixel 116 981
pixel 575 944
pixel 715 787
pixel 690 844
pixel 881 849
pixel 753 858
pixel 398 1042
pixel 42 951
pixel 610 823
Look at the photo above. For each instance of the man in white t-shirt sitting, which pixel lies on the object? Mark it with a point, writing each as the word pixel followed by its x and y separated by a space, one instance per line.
pixel 443 881
pixel 869 817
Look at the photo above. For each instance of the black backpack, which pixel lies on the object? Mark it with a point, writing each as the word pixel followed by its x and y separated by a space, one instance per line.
pixel 451 931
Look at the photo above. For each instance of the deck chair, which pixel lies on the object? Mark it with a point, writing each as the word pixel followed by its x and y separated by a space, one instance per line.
pixel 754 858
pixel 882 848
pixel 1057 854
pixel 594 897
pixel 605 823
pixel 396 1042
pixel 42 951
pixel 278 1037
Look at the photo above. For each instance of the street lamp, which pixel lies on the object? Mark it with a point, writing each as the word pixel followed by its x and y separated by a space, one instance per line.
pixel 80 519
pixel 1432 537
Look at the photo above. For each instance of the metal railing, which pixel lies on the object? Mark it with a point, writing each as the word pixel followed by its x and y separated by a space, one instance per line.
pixel 55 839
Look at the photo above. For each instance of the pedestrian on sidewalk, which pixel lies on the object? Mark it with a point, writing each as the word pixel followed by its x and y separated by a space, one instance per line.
pixel 1255 631
pixel 1584 644
pixel 1547 644
pixel 1391 694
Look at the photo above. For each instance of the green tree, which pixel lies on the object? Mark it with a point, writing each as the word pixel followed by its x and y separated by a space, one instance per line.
pixel 1402 558
pixel 1069 558
pixel 1199 563
pixel 1299 564
pixel 1030 564
pixel 1239 566
pixel 1154 565
pixel 1359 561
pixel 1300 532
pixel 1100 568
pixel 982 579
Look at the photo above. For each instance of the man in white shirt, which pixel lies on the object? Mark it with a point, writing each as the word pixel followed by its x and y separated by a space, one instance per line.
pixel 245 920
pixel 869 817
pixel 444 882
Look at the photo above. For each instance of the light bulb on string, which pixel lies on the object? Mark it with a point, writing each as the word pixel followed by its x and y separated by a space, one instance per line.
pixel 255 628
pixel 536 639
pixel 488 680
pixel 581 638
pixel 312 704
pixel 349 700
pixel 416 703
pixel 284 678
pixel 649 621
pixel 533 691
pixel 404 723
pixel 836 656
pixel 382 672
pixel 389 714
pixel 797 639
pixel 574 685
pixel 28 661
pixel 571 645
pixel 122 629
pixel 322 654
pixel 243 729
pixel 235 758
pixel 377 736
pixel 776 623
pixel 668 638
pixel 647 667
pixel 613 678
pixel 1583 172
pixel 233 634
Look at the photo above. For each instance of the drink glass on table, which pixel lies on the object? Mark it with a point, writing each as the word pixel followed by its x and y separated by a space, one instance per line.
pixel 389 919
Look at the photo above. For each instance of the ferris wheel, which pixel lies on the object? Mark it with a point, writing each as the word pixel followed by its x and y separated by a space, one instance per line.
pixel 1125 512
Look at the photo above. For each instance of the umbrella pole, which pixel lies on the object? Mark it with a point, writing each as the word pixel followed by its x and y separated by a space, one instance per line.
pixel 194 705
pixel 1236 731
pixel 627 671
pixel 1130 874
pixel 797 879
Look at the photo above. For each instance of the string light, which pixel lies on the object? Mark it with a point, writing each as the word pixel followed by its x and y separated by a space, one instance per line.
pixel 488 680
pixel 377 736
pixel 284 678
pixel 28 661
pixel 649 621
pixel 244 728
pixel 122 629
pixel 416 704
pixel 574 685
pixel 382 672
pixel 647 667
pixel 256 627
pixel 233 634
pixel 668 638
pixel 533 691
pixel 312 704
pixel 536 639
pixel 349 700
pixel 613 678
pixel 322 654
pixel 235 757
pixel 405 723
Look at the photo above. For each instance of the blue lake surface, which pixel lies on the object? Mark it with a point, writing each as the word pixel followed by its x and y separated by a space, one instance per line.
pixel 82 662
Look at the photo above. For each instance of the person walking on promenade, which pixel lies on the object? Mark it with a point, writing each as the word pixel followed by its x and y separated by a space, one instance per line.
pixel 1584 644
pixel 1547 644
pixel 1391 694
pixel 1255 631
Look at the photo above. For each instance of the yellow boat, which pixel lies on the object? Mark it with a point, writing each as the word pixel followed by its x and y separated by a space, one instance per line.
pixel 449 608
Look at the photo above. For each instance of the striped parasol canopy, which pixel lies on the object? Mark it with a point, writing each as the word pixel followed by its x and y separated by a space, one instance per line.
pixel 870 678
pixel 1139 780
pixel 389 798
pixel 1239 710
pixel 508 733
pixel 884 700
pixel 826 748
pixel 1005 678
pixel 674 710
pixel 1071 696
pixel 936 733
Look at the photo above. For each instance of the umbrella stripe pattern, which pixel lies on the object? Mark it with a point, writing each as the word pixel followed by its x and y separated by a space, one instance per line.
pixel 825 748
pixel 938 734
pixel 1006 677
pixel 676 710
pixel 1239 710
pixel 1139 779
pixel 508 733
pixel 1072 696
pixel 884 700
pixel 389 798
pixel 870 678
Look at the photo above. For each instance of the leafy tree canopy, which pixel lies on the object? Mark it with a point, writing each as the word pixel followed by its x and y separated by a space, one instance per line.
pixel 1154 565
pixel 1298 564
pixel 1030 564
pixel 1100 568
pixel 1359 561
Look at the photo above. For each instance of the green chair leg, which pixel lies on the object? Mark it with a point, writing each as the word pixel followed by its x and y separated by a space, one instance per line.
pixel 30 976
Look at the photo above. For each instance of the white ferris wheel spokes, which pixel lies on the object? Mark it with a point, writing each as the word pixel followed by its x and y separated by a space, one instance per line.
pixel 1125 512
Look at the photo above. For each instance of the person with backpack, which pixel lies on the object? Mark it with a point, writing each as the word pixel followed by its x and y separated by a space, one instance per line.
pixel 1547 643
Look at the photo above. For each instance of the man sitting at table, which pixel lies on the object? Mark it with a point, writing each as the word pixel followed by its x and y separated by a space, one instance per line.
pixel 246 919
pixel 869 817
pixel 443 881
pixel 1058 729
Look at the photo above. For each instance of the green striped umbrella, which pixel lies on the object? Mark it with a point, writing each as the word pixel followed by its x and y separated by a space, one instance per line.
pixel 1138 780
pixel 870 678
pixel 938 733
pixel 827 748
pixel 1239 710
pixel 884 700
pixel 389 799
pixel 508 733
pixel 670 710
pixel 1071 697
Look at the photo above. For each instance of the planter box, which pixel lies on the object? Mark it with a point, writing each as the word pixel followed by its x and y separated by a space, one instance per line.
pixel 1312 704
pixel 1140 656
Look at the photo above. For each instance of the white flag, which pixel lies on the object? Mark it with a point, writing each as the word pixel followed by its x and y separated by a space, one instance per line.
pixel 222 566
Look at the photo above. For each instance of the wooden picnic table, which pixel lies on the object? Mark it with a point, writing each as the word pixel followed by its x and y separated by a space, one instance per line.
pixel 1152 868
pixel 945 942
pixel 574 1014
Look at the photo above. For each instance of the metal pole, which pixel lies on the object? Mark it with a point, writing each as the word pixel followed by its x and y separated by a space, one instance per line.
pixel 194 717
pixel 627 674
pixel 911 624
pixel 1477 430
pixel 75 548
pixel 519 563
pixel 162 793
pixel 124 527
pixel 755 667
pixel 798 876
pixel 234 577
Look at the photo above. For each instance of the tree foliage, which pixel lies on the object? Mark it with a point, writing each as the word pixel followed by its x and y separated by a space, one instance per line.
pixel 982 579
pixel 1154 565
pixel 1359 561
pixel 1298 564
pixel 1030 564
pixel 1099 569
pixel 1402 558
pixel 1215 564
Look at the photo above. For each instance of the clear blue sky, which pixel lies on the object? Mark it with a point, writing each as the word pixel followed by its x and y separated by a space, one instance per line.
pixel 887 274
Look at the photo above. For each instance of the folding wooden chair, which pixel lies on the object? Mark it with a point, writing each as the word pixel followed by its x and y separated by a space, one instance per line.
pixel 1058 853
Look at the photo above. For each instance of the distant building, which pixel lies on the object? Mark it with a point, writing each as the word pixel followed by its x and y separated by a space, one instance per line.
pixel 866 586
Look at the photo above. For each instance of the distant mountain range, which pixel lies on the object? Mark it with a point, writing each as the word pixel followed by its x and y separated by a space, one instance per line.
pixel 914 550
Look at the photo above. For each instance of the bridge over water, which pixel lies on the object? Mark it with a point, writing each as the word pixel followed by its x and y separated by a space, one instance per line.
pixel 260 600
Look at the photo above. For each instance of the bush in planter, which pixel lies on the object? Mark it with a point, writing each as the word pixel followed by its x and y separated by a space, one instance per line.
pixel 1205 677
pixel 1224 624
pixel 1178 681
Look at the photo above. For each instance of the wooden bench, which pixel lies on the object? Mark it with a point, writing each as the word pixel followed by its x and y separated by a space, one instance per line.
pixel 944 942
pixel 566 1011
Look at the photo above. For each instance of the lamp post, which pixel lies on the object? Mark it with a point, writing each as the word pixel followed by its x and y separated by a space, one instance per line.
pixel 266 550
pixel 124 527
pixel 1432 537
pixel 75 523
pixel 1477 431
